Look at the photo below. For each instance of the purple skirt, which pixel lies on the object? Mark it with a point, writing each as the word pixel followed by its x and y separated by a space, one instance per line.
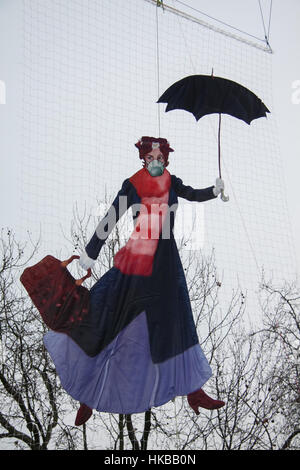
pixel 122 378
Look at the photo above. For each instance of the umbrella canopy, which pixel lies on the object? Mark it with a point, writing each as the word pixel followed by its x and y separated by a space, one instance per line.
pixel 207 94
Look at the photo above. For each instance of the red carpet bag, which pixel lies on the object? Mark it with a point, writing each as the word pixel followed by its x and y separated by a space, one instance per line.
pixel 61 300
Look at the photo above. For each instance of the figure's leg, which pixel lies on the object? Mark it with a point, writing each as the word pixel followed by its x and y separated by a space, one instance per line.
pixel 200 398
pixel 83 414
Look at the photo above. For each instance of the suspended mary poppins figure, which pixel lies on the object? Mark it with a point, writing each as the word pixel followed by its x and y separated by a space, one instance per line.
pixel 137 347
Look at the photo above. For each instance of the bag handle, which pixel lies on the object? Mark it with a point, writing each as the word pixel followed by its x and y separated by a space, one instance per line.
pixel 65 263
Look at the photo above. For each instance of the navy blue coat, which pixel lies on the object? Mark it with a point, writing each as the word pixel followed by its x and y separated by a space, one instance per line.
pixel 117 298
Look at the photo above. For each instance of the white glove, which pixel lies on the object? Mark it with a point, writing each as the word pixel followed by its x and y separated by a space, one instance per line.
pixel 85 261
pixel 219 186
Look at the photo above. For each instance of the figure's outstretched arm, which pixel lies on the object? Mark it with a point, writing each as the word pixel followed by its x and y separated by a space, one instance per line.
pixel 191 194
pixel 118 208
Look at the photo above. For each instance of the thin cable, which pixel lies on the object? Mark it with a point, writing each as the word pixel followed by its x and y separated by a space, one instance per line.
pixel 219 21
pixel 157 69
pixel 270 14
pixel 263 21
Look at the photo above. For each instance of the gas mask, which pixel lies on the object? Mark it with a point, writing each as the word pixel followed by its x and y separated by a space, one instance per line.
pixel 155 168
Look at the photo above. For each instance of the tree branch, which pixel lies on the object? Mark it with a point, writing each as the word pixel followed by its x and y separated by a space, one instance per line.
pixel 131 433
pixel 147 427
pixel 289 439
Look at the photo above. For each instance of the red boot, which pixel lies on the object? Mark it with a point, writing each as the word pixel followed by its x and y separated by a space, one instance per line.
pixel 199 398
pixel 83 414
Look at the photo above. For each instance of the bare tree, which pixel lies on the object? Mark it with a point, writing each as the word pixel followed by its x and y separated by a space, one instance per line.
pixel 31 404
pixel 281 333
pixel 255 368
pixel 256 373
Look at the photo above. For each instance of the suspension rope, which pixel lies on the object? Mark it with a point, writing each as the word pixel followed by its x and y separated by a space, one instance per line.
pixel 270 14
pixel 263 21
pixel 267 34
pixel 157 66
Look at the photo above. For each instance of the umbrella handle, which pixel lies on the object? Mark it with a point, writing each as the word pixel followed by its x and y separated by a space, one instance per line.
pixel 65 263
pixel 223 197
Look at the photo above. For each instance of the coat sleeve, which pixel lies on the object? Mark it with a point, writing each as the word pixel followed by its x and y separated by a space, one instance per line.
pixel 191 194
pixel 121 203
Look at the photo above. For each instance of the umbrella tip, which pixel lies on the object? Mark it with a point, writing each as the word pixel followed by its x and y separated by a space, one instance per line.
pixel 212 72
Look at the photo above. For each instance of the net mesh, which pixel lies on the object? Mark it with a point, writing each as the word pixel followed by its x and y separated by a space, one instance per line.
pixel 92 73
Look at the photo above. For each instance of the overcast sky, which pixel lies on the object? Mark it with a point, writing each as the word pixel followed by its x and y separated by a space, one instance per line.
pixel 284 40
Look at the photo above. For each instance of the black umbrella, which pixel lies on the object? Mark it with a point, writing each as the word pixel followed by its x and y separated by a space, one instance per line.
pixel 207 94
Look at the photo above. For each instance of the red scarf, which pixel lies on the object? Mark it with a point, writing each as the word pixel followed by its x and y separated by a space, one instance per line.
pixel 137 256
